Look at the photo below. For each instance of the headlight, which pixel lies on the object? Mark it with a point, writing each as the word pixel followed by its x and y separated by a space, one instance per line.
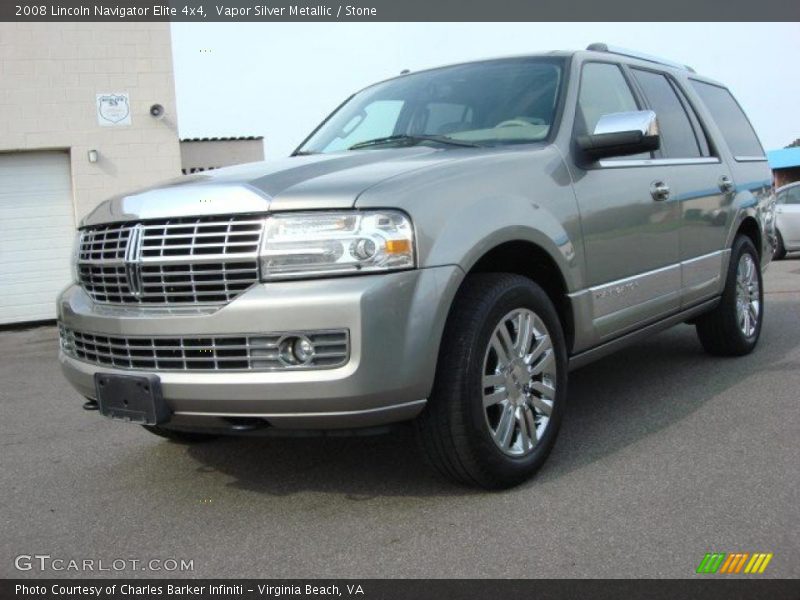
pixel 336 243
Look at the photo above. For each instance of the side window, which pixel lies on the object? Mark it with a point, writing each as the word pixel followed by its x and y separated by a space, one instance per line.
pixel 604 91
pixel 700 132
pixel 792 195
pixel 730 118
pixel 678 138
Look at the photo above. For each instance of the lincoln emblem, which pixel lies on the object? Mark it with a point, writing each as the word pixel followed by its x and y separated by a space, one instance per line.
pixel 133 260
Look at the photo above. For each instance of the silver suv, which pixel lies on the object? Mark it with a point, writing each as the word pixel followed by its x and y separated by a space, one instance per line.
pixel 443 248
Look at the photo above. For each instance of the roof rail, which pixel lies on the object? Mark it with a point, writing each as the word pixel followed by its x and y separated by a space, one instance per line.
pixel 599 47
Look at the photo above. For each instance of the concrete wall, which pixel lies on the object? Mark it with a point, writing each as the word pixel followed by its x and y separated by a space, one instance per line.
pixel 50 74
pixel 202 154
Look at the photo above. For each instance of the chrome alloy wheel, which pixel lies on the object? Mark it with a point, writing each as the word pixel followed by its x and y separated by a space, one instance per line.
pixel 748 297
pixel 519 382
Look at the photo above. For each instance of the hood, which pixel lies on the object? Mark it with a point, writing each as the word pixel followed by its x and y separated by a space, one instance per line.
pixel 296 183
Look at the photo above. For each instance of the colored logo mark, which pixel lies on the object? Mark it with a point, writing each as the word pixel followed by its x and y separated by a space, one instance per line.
pixel 734 562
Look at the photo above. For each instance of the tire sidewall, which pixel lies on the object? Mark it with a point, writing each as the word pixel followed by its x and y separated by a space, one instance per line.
pixel 742 246
pixel 780 249
pixel 522 294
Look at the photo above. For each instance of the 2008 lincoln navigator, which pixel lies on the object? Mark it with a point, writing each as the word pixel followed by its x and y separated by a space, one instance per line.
pixel 443 248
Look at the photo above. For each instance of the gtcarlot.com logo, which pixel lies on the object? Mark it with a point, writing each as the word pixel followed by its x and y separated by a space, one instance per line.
pixel 734 562
pixel 46 562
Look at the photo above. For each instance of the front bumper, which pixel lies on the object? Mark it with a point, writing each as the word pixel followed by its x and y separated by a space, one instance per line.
pixel 395 323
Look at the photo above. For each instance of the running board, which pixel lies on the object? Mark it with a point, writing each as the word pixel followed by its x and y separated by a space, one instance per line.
pixel 588 356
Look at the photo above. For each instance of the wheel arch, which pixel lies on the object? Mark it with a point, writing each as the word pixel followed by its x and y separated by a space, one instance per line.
pixel 749 227
pixel 526 258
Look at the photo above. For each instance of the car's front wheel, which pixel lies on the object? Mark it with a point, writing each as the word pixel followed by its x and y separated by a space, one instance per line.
pixel 733 327
pixel 501 383
pixel 780 249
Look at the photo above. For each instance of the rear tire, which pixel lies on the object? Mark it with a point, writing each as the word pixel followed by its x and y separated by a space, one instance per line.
pixel 180 437
pixel 733 327
pixel 502 367
pixel 780 249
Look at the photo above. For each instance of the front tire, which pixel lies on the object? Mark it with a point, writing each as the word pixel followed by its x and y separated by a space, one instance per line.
pixel 733 327
pixel 780 249
pixel 501 384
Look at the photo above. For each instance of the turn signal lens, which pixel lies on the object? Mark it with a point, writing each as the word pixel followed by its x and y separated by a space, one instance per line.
pixel 398 246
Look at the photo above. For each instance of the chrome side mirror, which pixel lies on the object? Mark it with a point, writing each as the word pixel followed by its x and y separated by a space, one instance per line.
pixel 622 134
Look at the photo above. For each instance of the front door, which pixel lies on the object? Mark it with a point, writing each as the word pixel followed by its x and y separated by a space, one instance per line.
pixel 630 226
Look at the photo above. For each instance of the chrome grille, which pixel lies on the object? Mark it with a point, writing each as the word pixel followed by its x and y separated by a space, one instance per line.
pixel 245 352
pixel 194 260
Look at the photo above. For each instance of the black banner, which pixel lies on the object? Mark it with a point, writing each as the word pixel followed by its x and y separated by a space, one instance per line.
pixel 385 589
pixel 399 10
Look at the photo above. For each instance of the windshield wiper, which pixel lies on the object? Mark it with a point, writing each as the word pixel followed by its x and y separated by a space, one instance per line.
pixel 413 139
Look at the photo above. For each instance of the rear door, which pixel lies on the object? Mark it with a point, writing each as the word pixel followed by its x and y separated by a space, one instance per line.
pixel 701 184
pixel 738 144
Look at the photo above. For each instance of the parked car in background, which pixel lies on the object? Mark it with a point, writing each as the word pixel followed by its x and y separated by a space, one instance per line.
pixel 443 248
pixel 787 219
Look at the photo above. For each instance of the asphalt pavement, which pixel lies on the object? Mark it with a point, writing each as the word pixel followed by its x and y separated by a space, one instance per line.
pixel 665 454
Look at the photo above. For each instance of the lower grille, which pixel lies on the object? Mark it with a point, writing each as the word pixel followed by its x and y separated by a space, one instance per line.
pixel 245 352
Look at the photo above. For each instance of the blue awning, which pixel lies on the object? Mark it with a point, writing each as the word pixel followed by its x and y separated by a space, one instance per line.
pixel 784 158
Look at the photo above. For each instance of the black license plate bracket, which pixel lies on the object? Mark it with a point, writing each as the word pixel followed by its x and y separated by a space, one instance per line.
pixel 132 398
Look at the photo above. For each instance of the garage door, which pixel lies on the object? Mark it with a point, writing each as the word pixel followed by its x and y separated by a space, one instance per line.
pixel 37 226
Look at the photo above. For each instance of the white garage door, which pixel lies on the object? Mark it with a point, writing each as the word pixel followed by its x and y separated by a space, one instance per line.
pixel 37 227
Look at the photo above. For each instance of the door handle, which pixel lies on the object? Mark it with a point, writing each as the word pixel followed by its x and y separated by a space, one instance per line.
pixel 659 191
pixel 726 184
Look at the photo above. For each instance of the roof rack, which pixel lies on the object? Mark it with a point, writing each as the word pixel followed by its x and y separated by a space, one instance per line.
pixel 599 47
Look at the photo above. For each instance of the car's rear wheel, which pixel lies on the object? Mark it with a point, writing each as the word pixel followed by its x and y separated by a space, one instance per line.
pixel 500 385
pixel 733 327
pixel 180 437
pixel 780 249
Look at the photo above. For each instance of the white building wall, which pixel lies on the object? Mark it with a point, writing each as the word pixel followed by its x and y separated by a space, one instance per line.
pixel 50 74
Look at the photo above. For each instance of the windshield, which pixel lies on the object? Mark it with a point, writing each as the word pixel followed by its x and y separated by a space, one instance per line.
pixel 487 103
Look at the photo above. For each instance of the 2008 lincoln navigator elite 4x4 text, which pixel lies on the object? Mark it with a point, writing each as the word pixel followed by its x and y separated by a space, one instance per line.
pixel 443 249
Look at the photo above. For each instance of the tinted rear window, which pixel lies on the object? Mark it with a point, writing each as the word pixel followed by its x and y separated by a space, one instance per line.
pixel 677 135
pixel 730 118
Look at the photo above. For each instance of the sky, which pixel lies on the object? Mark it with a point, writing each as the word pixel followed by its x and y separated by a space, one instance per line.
pixel 279 80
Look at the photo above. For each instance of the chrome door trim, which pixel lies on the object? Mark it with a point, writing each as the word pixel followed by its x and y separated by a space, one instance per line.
pixel 611 297
pixel 694 279
pixel 704 272
pixel 658 162
pixel 750 158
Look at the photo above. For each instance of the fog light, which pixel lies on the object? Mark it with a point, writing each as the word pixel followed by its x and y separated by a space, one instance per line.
pixel 296 350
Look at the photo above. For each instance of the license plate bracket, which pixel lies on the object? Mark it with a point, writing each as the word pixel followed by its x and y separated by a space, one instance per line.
pixel 131 398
